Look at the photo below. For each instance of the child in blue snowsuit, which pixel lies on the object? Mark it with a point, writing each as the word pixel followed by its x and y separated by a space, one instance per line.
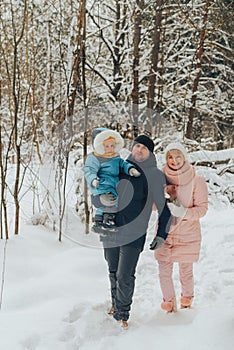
pixel 101 171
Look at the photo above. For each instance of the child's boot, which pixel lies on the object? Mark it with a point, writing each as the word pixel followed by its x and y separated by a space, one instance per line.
pixel 97 227
pixel 169 306
pixel 109 220
pixel 185 302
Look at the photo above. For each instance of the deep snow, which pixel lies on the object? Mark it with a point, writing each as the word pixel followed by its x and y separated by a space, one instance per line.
pixel 56 294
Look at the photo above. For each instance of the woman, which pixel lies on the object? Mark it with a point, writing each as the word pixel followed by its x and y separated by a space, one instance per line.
pixel 184 239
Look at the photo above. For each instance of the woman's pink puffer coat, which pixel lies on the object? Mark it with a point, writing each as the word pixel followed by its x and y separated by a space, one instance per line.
pixel 184 239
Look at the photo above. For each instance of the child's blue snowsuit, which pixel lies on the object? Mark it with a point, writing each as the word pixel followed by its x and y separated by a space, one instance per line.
pixel 107 171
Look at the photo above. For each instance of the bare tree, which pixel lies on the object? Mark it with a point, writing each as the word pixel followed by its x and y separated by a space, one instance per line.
pixel 110 20
pixel 76 88
pixel 158 7
pixel 17 38
pixel 3 206
pixel 16 103
pixel 31 77
pixel 138 7
pixel 199 54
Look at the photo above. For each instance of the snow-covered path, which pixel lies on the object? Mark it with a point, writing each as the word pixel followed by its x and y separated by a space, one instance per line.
pixel 56 295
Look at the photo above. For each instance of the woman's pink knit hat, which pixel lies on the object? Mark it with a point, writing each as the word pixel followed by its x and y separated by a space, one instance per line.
pixel 176 146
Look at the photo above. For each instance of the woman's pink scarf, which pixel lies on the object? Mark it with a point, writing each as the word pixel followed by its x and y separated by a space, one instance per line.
pixel 181 176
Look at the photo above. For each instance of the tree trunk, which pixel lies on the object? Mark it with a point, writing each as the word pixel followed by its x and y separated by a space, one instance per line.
pixel 79 82
pixel 136 61
pixel 16 93
pixel 32 93
pixel 154 61
pixel 16 143
pixel 85 103
pixel 3 206
pixel 200 53
pixel 120 23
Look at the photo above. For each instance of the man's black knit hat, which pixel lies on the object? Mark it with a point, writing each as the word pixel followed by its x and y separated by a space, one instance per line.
pixel 146 141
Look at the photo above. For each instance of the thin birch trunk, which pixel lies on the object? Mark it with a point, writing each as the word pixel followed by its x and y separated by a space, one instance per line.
pixel 15 93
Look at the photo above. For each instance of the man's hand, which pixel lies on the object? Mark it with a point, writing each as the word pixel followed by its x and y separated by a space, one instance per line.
pixel 108 199
pixel 134 172
pixel 157 243
pixel 177 211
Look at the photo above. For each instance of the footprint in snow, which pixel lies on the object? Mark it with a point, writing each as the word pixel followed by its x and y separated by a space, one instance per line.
pixel 31 343
pixel 94 324
pixel 76 313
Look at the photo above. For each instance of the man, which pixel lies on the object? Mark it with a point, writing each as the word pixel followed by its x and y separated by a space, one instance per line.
pixel 136 198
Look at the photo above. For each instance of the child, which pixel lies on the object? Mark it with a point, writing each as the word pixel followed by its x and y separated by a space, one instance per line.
pixel 101 171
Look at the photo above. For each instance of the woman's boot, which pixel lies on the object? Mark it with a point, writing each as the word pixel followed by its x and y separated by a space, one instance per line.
pixel 169 306
pixel 185 302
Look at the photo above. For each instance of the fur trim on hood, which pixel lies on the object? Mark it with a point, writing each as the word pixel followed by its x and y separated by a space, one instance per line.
pixel 102 136
pixel 97 131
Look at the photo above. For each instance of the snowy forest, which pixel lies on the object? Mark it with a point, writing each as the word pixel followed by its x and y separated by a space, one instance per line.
pixel 156 67
pixel 163 68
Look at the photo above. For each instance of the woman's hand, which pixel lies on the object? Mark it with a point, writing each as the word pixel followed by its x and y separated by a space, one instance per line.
pixel 177 211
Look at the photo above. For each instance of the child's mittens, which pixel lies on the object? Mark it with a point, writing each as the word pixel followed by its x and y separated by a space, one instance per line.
pixel 108 199
pixel 177 211
pixel 134 172
pixel 95 182
pixel 157 243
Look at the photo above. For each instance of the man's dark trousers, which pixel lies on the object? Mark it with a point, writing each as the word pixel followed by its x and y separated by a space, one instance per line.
pixel 122 263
